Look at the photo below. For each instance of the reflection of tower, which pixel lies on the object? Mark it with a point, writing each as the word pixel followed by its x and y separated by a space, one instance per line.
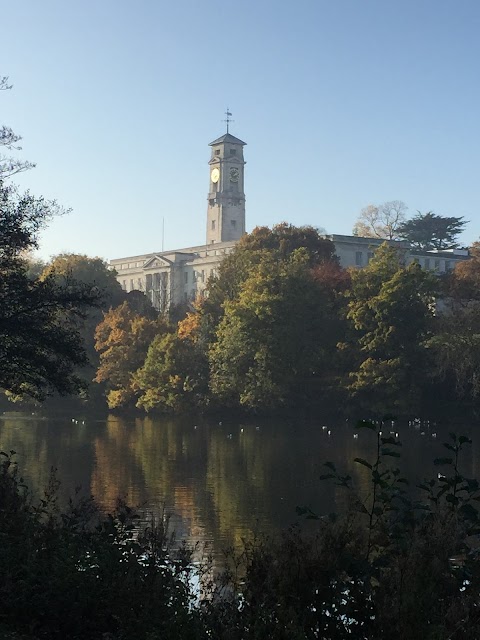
pixel 226 196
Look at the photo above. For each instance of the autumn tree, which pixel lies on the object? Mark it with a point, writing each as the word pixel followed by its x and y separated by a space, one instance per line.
pixel 427 231
pixel 122 340
pixel 381 221
pixel 390 310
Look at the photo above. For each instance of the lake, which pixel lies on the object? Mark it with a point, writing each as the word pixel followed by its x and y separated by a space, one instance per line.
pixel 219 480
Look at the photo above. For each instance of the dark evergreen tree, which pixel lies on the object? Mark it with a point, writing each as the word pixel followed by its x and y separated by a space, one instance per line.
pixel 428 231
pixel 40 318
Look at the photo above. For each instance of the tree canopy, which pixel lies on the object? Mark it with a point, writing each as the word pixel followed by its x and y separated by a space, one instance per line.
pixel 40 344
pixel 427 231
pixel 381 221
pixel 390 309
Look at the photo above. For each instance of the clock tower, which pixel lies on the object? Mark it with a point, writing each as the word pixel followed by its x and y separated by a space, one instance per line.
pixel 226 196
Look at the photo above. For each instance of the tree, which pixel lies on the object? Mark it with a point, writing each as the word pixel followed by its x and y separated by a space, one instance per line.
pixel 40 345
pixel 382 221
pixel 174 375
pixel 455 345
pixel 123 339
pixel 274 337
pixel 391 313
pixel 93 273
pixel 9 140
pixel 428 231
pixel 280 241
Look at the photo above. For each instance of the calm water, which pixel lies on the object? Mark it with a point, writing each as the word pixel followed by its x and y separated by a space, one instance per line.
pixel 220 481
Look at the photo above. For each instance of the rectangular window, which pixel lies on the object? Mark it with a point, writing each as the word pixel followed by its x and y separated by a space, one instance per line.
pixel 148 281
pixel 186 277
pixel 194 276
pixel 234 223
pixel 139 284
pixel 213 225
pixel 203 275
pixel 124 285
pixel 211 273
pixel 211 202
pixel 132 287
pixel 427 263
pixel 437 264
pixel 233 152
pixel 369 255
pixel 217 152
pixel 448 265
pixel 358 258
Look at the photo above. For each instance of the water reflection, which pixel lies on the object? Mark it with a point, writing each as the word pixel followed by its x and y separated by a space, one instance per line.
pixel 220 481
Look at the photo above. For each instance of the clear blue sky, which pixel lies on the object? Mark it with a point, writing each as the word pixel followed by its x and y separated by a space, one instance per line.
pixel 343 103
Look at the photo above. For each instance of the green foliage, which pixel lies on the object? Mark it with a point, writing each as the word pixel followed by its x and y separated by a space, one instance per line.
pixel 390 310
pixel 173 376
pixel 40 343
pixel 429 231
pixel 273 337
pixel 280 241
pixel 455 344
pixel 95 275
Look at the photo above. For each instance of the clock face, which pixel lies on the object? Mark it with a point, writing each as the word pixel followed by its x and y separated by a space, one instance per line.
pixel 215 175
pixel 234 173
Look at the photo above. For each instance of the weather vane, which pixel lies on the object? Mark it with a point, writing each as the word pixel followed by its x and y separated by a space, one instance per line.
pixel 228 119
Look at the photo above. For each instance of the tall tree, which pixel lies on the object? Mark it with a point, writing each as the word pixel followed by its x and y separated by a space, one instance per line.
pixel 40 344
pixel 174 375
pixel 391 313
pixel 93 273
pixel 381 221
pixel 427 231
pixel 456 343
pixel 123 339
pixel 280 241
pixel 274 337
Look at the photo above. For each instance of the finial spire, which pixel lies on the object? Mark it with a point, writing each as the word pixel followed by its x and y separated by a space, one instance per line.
pixel 228 118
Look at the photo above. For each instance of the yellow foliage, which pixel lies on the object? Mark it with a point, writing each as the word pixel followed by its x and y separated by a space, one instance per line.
pixel 188 327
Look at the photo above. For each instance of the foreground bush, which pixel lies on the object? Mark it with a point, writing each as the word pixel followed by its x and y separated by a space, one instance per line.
pixel 74 574
pixel 392 567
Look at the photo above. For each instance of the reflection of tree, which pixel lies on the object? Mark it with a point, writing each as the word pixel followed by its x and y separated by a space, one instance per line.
pixel 115 473
pixel 44 444
pixel 216 486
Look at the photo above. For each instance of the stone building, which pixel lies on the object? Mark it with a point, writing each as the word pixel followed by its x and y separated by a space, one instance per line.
pixel 178 276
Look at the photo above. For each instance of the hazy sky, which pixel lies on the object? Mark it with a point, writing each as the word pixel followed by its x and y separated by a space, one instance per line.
pixel 343 103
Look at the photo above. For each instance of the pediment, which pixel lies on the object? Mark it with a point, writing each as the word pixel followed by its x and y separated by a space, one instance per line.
pixel 157 261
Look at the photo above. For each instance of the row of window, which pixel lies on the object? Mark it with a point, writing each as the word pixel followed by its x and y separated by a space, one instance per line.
pixel 128 265
pixel 158 281
pixel 198 275
pixel 427 263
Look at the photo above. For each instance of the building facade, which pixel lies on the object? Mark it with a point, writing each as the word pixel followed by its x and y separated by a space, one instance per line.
pixel 176 277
